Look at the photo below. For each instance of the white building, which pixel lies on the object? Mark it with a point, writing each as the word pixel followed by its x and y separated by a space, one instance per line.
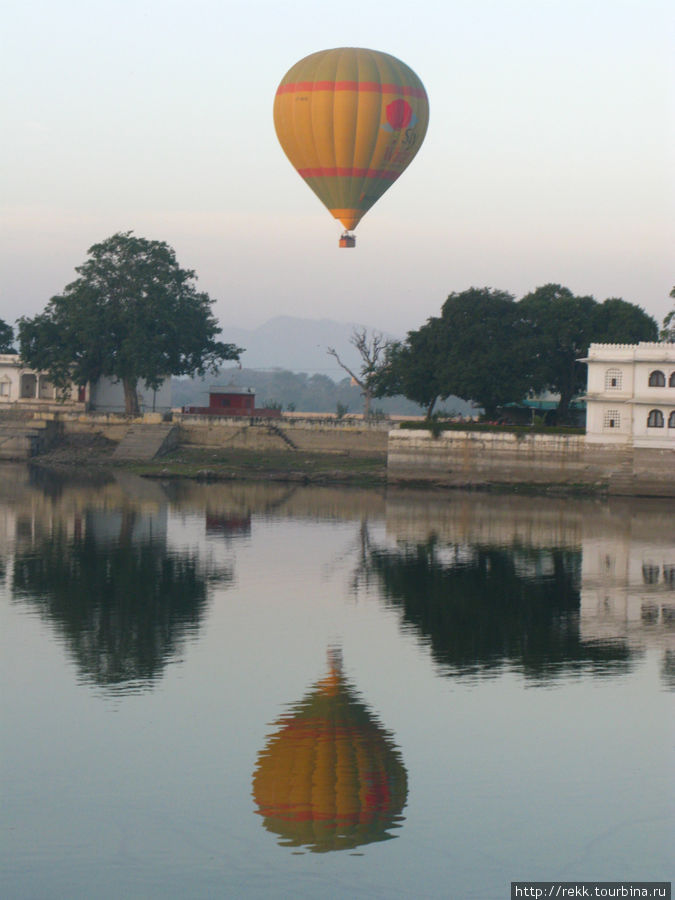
pixel 107 396
pixel 631 394
pixel 21 386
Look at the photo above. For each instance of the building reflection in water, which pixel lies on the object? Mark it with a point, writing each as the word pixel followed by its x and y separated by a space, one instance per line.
pixel 546 588
pixel 628 581
pixel 330 777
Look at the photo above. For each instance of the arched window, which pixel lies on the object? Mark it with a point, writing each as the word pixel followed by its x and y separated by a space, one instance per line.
pixel 671 420
pixel 655 419
pixel 657 378
pixel 613 379
pixel 671 380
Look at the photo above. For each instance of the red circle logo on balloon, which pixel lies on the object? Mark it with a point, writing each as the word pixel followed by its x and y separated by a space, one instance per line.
pixel 399 114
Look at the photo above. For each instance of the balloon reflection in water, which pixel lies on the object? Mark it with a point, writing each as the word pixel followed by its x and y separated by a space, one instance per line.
pixel 330 778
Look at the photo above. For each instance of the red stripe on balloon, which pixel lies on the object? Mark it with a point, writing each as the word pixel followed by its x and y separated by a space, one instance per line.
pixel 348 172
pixel 364 86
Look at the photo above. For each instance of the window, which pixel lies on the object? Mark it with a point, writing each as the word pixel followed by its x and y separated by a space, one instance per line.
pixel 613 379
pixel 4 388
pixel 671 380
pixel 671 420
pixel 657 379
pixel 612 419
pixel 650 573
pixel 655 419
pixel 649 613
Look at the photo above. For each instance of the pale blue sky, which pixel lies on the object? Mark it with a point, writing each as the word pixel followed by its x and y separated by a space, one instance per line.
pixel 548 156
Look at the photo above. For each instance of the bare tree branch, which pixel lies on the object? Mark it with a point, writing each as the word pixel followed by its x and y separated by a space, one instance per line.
pixel 331 351
pixel 372 351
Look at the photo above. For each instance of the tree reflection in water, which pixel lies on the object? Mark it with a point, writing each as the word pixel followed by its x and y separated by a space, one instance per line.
pixel 124 607
pixel 482 607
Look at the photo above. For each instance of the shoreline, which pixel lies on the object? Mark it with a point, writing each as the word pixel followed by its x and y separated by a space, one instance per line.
pixel 93 456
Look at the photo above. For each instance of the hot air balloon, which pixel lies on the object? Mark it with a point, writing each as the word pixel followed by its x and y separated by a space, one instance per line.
pixel 350 121
pixel 330 778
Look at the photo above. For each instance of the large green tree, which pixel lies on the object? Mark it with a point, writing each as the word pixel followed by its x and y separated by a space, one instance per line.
pixel 618 322
pixel 474 350
pixel 132 315
pixel 559 328
pixel 483 357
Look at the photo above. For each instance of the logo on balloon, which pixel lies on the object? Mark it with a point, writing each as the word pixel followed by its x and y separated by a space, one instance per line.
pixel 399 116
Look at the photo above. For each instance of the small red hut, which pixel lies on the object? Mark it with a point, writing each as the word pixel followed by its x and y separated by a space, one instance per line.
pixel 232 401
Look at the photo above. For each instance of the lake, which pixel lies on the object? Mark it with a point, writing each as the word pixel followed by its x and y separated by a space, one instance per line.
pixel 262 690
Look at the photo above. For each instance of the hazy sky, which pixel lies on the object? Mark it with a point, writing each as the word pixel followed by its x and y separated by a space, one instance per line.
pixel 548 156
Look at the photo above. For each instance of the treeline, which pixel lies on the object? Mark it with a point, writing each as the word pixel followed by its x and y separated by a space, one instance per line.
pixel 489 349
pixel 299 392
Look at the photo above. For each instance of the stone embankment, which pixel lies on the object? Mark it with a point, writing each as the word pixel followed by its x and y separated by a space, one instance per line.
pixel 22 437
pixel 467 459
pixel 482 459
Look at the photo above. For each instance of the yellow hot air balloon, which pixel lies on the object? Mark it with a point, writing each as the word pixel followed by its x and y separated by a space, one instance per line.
pixel 350 121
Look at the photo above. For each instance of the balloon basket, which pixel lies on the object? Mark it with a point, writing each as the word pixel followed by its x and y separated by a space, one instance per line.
pixel 347 240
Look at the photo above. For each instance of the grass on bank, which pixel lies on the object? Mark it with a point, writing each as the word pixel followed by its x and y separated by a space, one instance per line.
pixel 220 464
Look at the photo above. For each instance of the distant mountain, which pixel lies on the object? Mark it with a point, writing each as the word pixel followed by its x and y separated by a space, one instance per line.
pixel 297 345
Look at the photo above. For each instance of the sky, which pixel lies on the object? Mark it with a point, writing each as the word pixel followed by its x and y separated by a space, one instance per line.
pixel 549 154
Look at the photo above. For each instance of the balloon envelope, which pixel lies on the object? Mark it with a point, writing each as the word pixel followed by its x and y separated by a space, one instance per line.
pixel 350 120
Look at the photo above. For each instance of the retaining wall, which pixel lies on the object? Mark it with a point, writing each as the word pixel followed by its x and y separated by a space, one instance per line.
pixel 472 459
pixel 311 435
pixel 23 440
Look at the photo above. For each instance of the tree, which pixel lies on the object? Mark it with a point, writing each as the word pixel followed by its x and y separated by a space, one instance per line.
pixel 618 322
pixel 473 350
pixel 667 332
pixel 132 315
pixel 560 327
pixel 412 368
pixel 372 351
pixel 6 338
pixel 483 357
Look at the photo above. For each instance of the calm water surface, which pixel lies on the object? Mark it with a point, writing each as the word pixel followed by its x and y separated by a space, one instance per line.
pixel 262 691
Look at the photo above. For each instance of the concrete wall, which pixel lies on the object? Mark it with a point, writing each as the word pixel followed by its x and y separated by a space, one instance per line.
pixel 311 435
pixel 22 440
pixel 472 459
